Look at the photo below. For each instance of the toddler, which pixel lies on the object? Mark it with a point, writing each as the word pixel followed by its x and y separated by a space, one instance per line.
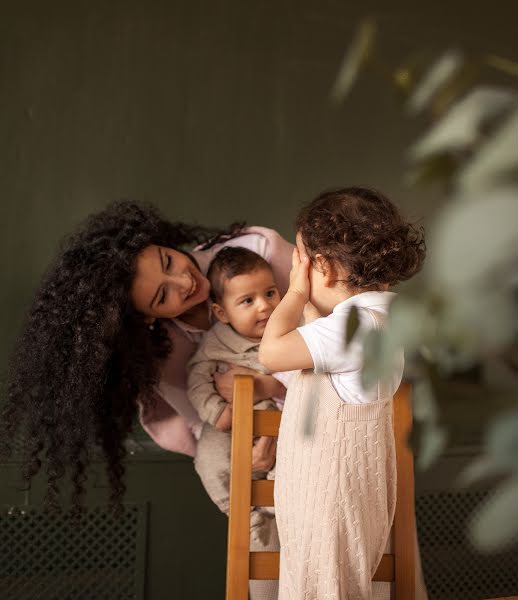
pixel 335 486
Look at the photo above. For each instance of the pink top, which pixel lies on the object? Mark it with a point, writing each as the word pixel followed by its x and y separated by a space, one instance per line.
pixel 171 420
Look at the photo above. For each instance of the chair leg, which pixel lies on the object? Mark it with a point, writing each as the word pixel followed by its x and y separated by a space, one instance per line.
pixel 240 489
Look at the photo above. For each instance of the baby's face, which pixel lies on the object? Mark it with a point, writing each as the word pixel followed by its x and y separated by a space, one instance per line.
pixel 248 301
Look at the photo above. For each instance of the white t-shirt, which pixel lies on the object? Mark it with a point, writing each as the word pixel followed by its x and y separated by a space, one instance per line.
pixel 325 339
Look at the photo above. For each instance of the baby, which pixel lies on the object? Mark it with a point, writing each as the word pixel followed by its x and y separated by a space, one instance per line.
pixel 244 295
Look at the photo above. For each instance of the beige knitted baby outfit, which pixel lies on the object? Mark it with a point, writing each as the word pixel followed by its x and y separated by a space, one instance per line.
pixel 335 491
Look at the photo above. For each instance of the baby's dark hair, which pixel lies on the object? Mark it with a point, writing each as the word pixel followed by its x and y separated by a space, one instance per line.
pixel 360 230
pixel 229 262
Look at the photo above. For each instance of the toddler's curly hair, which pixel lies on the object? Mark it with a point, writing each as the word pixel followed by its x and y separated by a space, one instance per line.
pixel 358 230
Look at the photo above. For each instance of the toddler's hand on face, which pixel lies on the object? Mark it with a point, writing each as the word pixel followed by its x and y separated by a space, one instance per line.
pixel 299 275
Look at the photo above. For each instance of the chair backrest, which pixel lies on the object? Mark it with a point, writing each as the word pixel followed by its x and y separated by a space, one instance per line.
pixel 243 565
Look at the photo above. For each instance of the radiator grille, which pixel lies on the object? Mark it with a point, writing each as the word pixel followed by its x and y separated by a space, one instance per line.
pixel 46 557
pixel 453 568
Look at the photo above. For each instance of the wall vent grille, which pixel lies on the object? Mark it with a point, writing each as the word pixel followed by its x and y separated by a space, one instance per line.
pixel 53 557
pixel 453 568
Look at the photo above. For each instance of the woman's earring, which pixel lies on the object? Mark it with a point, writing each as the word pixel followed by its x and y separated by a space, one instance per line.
pixel 152 326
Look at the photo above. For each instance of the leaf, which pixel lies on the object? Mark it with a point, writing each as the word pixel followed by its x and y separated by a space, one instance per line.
pixel 495 525
pixel 502 441
pixel 439 74
pixel 457 86
pixel 475 240
pixel 497 158
pixel 432 443
pixel 353 323
pixel 423 402
pixel 461 125
pixel 372 358
pixel 310 411
pixel 502 64
pixel 476 322
pixel 380 357
pixel 410 323
pixel 438 167
pixel 477 470
pixel 354 60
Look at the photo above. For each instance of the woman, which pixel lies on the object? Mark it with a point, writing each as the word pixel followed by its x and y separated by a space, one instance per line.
pixel 111 328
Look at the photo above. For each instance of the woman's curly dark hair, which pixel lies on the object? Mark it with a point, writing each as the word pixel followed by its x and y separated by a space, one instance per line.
pixel 360 230
pixel 85 354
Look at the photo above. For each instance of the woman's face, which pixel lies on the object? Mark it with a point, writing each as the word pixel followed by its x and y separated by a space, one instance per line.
pixel 167 283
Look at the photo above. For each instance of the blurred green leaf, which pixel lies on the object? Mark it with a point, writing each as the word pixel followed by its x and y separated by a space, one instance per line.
pixel 436 77
pixel 475 241
pixel 372 357
pixel 381 355
pixel 502 441
pixel 479 469
pixel 354 60
pixel 423 401
pixel 509 67
pixel 353 322
pixel 458 85
pixel 438 167
pixel 475 323
pixel 411 322
pixel 461 125
pixel 310 410
pixel 432 443
pixel 497 158
pixel 495 524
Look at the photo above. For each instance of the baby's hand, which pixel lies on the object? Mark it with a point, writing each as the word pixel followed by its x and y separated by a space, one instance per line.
pixel 224 382
pixel 263 453
pixel 299 275
pixel 224 423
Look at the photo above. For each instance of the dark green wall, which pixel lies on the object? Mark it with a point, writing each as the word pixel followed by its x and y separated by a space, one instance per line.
pixel 215 111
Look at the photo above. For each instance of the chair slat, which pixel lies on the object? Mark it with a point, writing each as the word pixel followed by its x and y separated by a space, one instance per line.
pixel 386 570
pixel 404 519
pixel 240 495
pixel 267 422
pixel 262 492
pixel 264 565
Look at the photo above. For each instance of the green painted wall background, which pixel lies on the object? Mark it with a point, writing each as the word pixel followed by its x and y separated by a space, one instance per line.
pixel 215 111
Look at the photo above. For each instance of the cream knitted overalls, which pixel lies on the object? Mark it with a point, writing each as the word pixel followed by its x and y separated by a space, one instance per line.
pixel 335 491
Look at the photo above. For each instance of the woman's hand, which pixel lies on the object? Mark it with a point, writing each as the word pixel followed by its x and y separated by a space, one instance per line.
pixel 224 423
pixel 224 382
pixel 299 275
pixel 263 453
pixel 265 386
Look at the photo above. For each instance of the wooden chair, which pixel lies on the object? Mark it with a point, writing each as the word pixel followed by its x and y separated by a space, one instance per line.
pixel 242 565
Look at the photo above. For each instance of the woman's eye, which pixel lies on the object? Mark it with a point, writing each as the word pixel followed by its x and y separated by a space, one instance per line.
pixel 162 297
pixel 168 263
